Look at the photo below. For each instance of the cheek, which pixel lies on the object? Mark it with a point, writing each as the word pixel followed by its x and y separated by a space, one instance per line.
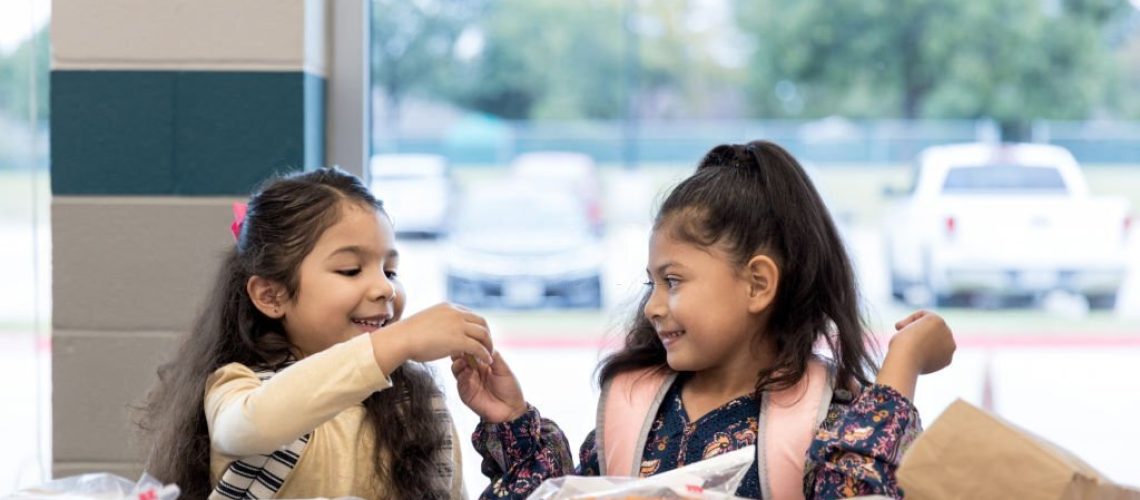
pixel 400 300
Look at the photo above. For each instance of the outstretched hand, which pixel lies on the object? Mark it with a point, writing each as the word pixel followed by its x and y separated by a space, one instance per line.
pixel 435 333
pixel 491 391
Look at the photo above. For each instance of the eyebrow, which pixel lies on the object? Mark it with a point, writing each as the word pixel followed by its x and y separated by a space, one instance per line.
pixel 661 269
pixel 362 252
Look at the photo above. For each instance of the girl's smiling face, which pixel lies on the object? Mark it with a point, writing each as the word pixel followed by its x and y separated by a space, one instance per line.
pixel 700 305
pixel 348 283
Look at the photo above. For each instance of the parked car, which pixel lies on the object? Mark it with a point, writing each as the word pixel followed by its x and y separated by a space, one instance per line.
pixel 578 171
pixel 1005 220
pixel 416 190
pixel 519 244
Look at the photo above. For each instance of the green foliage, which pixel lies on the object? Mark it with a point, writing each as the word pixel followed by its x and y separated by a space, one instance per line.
pixel 548 58
pixel 552 59
pixel 1012 60
pixel 413 43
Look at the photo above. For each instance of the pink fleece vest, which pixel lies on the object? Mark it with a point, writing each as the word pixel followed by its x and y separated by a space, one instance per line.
pixel 789 418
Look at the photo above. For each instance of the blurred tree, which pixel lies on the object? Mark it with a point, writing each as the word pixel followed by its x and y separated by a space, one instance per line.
pixel 551 59
pixel 413 45
pixel 1125 88
pixel 547 59
pixel 1012 60
pixel 691 59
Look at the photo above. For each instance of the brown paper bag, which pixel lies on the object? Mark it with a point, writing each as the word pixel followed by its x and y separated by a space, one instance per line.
pixel 970 453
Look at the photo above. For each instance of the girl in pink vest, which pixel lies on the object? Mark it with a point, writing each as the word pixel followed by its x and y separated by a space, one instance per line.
pixel 747 280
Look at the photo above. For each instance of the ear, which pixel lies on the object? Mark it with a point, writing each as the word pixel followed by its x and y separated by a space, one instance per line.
pixel 763 277
pixel 268 296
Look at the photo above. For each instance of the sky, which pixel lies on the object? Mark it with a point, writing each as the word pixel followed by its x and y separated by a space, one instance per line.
pixel 20 18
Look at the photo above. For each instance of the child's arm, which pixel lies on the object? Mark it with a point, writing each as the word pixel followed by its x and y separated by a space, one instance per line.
pixel 923 344
pixel 858 448
pixel 247 417
pixel 520 449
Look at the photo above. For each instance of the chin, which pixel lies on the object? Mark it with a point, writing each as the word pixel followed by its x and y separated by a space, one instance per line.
pixel 680 364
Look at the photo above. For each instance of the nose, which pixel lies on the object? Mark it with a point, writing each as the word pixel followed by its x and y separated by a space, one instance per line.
pixel 654 304
pixel 382 288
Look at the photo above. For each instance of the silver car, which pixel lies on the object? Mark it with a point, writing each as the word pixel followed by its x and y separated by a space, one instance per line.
pixel 519 244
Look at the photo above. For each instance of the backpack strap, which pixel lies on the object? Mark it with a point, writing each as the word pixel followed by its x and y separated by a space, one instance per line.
pixel 260 476
pixel 626 409
pixel 789 418
pixel 792 417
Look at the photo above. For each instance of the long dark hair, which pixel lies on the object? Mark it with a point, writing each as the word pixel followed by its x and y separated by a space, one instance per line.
pixel 756 198
pixel 283 223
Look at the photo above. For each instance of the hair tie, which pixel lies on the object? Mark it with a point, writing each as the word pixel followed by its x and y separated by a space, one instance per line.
pixel 239 218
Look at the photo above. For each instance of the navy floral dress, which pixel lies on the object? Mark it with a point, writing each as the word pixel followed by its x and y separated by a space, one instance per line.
pixel 856 450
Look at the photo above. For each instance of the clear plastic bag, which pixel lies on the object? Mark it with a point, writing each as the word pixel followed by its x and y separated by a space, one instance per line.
pixel 715 478
pixel 101 486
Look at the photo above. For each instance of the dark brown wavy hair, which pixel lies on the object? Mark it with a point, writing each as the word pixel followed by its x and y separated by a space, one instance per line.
pixel 283 223
pixel 756 198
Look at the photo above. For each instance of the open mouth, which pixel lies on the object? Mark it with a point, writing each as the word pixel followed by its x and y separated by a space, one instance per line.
pixel 671 336
pixel 372 323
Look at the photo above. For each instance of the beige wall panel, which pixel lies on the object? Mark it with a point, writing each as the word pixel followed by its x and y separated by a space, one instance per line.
pixel 128 264
pixel 96 378
pixel 267 35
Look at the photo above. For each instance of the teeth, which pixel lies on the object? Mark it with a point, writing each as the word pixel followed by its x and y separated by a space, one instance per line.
pixel 374 324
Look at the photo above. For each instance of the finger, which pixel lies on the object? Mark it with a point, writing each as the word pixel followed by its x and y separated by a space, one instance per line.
pixel 915 316
pixel 476 319
pixel 480 334
pixel 483 371
pixel 465 363
pixel 476 349
pixel 498 365
pixel 458 365
pixel 462 356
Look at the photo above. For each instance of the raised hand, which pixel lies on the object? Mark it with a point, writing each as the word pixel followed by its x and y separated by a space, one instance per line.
pixel 437 332
pixel 491 391
pixel 925 340
pixel 923 344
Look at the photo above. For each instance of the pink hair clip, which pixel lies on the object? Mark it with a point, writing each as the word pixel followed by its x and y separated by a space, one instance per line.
pixel 239 218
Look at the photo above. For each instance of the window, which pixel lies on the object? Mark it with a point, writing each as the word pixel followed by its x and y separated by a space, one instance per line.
pixel 642 88
pixel 1013 179
pixel 25 256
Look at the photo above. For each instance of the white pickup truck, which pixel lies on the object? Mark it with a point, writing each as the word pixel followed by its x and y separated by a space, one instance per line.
pixel 1004 220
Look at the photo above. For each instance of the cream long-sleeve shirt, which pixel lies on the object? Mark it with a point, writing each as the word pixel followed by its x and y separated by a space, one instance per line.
pixel 321 393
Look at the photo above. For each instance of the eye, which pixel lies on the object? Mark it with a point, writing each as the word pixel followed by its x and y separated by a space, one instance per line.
pixel 672 282
pixel 349 272
pixel 392 274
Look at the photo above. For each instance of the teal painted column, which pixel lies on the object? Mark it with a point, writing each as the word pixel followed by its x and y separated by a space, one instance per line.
pixel 163 114
pixel 117 132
